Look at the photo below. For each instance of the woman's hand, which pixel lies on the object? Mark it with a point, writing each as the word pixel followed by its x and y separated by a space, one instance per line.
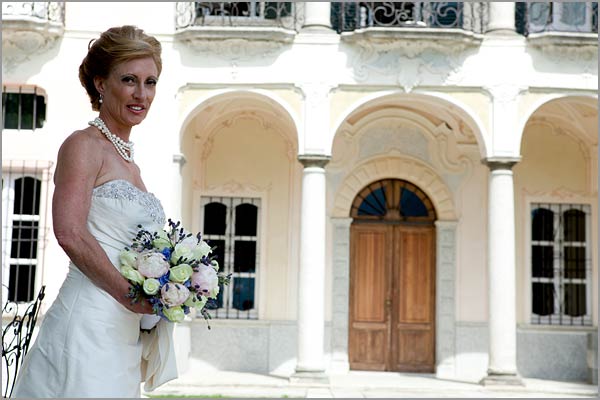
pixel 139 307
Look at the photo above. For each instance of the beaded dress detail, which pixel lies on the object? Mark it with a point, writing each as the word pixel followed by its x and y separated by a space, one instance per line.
pixel 122 189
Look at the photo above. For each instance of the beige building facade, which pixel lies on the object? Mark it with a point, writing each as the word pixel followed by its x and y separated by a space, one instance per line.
pixel 394 186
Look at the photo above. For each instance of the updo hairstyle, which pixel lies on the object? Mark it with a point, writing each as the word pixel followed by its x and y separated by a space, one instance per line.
pixel 115 46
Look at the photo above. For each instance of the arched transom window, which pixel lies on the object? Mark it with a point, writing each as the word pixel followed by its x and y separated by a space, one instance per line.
pixel 393 200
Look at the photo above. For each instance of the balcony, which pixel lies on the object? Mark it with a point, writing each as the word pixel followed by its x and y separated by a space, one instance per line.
pixel 256 20
pixel 29 28
pixel 554 23
pixel 443 22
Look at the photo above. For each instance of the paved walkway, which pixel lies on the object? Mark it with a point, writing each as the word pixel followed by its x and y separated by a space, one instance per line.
pixel 358 384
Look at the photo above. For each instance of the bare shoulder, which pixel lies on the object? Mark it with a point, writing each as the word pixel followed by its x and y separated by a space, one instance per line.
pixel 81 140
pixel 80 154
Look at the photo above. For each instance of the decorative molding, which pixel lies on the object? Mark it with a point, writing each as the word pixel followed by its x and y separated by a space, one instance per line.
pixel 233 187
pixel 410 62
pixel 234 50
pixel 412 170
pixel 560 193
pixel 29 29
pixel 207 141
pixel 505 93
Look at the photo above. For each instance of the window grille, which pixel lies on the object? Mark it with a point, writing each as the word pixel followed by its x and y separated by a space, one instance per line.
pixel 561 265
pixel 23 108
pixel 543 16
pixel 232 225
pixel 24 193
pixel 351 15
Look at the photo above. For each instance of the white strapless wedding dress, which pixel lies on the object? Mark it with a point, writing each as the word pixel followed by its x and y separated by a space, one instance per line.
pixel 89 345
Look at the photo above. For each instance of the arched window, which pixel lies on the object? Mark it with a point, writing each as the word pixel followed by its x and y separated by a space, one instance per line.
pixel 395 200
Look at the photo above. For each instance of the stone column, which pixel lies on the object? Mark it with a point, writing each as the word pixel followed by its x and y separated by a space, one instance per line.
pixel 317 14
pixel 311 277
pixel 502 367
pixel 501 17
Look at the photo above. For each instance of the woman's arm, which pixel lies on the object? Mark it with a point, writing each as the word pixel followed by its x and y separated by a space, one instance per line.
pixel 79 162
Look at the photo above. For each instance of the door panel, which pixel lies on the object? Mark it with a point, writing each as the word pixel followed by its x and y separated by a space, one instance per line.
pixel 413 322
pixel 369 326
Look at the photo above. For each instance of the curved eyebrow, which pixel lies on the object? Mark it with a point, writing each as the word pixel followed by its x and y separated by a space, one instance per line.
pixel 136 76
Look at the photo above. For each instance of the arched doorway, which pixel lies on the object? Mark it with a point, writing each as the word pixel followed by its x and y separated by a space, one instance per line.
pixel 392 279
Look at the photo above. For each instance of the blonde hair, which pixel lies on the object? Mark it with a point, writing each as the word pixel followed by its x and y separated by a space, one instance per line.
pixel 115 46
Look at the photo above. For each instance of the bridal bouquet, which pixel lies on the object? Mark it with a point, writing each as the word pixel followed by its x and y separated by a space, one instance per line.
pixel 172 270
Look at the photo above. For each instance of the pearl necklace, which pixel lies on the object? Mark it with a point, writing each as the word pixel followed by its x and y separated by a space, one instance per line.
pixel 122 146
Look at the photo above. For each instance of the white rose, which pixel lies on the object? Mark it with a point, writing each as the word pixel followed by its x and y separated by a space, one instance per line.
pixel 201 250
pixel 152 265
pixel 206 281
pixel 174 314
pixel 181 273
pixel 162 241
pixel 174 294
pixel 132 274
pixel 128 257
pixel 183 250
pixel 151 286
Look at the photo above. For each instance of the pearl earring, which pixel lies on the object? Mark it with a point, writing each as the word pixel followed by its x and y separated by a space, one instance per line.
pixel 100 100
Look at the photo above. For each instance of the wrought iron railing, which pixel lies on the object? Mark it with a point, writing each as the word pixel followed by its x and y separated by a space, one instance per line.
pixel 537 17
pixel 51 11
pixel 350 16
pixel 239 14
pixel 16 337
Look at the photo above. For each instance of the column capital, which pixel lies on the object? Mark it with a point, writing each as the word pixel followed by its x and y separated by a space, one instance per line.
pixel 495 163
pixel 179 159
pixel 314 160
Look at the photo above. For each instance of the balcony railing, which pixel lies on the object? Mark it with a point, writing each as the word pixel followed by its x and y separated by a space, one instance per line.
pixel 568 17
pixel 237 14
pixel 351 16
pixel 46 11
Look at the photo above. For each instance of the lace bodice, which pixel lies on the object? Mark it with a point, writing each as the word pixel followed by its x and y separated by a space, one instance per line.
pixel 123 189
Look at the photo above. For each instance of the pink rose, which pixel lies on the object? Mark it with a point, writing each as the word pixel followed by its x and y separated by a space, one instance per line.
pixel 174 294
pixel 206 281
pixel 152 265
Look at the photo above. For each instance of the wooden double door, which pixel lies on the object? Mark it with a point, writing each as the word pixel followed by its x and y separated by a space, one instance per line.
pixel 392 297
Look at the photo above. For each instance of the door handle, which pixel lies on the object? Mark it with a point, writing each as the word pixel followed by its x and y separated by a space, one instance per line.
pixel 388 303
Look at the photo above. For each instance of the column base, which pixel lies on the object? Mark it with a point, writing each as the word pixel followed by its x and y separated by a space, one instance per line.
pixel 309 378
pixel 495 379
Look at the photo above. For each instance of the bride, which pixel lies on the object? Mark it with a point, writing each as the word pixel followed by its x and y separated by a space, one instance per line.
pixel 90 343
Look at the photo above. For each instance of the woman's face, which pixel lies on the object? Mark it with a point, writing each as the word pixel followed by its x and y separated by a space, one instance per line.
pixel 128 92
